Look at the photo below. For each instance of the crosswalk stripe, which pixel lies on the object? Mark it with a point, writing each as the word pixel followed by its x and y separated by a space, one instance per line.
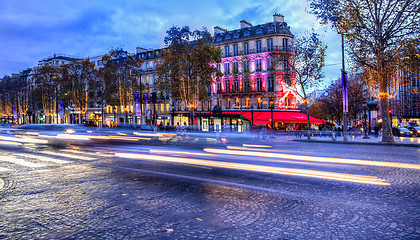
pixel 20 162
pixel 42 158
pixel 67 155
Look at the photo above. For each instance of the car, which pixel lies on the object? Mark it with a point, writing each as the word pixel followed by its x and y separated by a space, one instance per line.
pixel 415 130
pixel 401 132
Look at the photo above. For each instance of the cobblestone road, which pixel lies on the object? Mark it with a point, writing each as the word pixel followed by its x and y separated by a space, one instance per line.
pixel 87 195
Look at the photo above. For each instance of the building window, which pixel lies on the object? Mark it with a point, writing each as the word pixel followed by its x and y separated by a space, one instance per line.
pixel 287 102
pixel 259 85
pixel 247 102
pixel 246 48
pixel 271 102
pixel 237 102
pixel 245 85
pixel 218 67
pixel 228 103
pixel 259 106
pixel 258 65
pixel 154 79
pixel 235 50
pixel 236 85
pixel 269 62
pixel 270 44
pixel 220 102
pixel 258 46
pixel 226 51
pixel 209 105
pixel 285 44
pixel 271 83
pixel 227 86
pixel 246 66
pixel 219 87
pixel 235 67
pixel 227 68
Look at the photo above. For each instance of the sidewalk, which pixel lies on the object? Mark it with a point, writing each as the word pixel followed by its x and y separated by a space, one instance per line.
pixel 402 141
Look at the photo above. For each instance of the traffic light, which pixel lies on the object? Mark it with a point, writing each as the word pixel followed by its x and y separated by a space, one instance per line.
pixel 389 111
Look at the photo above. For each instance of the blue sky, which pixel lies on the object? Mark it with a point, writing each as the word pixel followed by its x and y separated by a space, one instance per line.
pixel 31 30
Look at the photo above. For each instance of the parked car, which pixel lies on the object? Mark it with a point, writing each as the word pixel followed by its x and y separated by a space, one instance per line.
pixel 414 130
pixel 401 132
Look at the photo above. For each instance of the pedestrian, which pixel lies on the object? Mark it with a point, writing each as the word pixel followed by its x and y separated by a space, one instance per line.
pixel 376 129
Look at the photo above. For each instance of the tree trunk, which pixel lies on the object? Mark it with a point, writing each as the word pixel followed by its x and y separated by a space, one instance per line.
pixel 386 121
pixel 309 121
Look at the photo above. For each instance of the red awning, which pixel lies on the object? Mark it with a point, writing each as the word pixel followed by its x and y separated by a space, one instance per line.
pixel 285 117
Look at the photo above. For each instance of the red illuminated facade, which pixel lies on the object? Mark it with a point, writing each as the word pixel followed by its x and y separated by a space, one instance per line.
pixel 255 67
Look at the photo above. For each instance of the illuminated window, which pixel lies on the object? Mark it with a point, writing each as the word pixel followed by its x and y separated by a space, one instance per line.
pixel 228 103
pixel 247 102
pixel 162 108
pixel 258 64
pixel 227 86
pixel 237 102
pixel 287 102
pixel 259 85
pixel 259 103
pixel 220 102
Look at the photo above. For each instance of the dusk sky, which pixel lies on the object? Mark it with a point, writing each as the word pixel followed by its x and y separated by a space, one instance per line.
pixel 32 30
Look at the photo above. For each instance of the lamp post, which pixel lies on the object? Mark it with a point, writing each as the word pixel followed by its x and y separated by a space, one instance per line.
pixel 365 124
pixel 272 120
pixel 252 116
pixel 334 19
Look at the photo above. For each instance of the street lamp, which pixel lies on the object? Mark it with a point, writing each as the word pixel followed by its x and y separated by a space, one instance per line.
pixel 272 120
pixel 252 116
pixel 365 124
pixel 334 19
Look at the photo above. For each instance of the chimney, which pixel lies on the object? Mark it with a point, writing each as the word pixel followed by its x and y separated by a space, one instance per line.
pixel 218 29
pixel 245 24
pixel 277 17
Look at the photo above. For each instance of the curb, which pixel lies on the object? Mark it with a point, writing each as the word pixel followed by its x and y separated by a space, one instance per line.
pixel 361 143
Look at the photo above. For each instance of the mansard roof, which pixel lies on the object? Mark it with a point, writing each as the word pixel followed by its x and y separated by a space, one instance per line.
pixel 253 31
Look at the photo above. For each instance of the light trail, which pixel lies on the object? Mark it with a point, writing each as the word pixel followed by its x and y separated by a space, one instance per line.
pixel 67 155
pixel 256 146
pixel 314 159
pixel 265 169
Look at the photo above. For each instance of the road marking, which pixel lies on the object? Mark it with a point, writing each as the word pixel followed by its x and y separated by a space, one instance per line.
pixel 42 158
pixel 67 155
pixel 21 162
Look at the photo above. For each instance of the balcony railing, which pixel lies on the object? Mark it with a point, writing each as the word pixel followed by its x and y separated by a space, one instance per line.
pixel 260 50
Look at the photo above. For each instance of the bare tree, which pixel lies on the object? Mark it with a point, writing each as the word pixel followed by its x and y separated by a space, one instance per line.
pixel 377 32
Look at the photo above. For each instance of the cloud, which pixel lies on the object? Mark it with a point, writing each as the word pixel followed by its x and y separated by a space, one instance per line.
pixel 33 30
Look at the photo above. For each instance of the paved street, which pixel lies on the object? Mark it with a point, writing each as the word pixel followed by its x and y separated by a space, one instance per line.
pixel 270 189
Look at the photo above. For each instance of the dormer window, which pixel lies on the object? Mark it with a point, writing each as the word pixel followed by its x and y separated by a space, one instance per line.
pixel 247 32
pixel 271 27
pixel 236 34
pixel 260 30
